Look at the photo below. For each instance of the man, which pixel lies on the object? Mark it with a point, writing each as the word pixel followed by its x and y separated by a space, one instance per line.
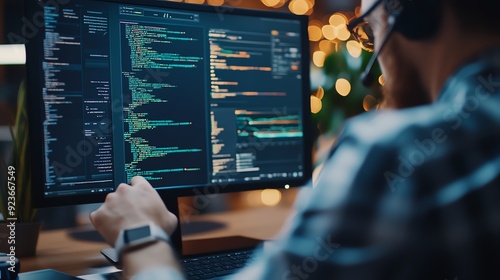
pixel 412 193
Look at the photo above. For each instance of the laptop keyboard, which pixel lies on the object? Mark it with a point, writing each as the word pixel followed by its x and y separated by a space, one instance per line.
pixel 215 265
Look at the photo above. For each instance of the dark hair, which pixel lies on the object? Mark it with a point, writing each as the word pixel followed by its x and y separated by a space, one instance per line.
pixel 484 14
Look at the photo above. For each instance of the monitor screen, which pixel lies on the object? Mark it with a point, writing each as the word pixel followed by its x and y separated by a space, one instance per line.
pixel 188 96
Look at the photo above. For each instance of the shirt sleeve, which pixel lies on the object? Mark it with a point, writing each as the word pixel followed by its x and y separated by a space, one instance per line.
pixel 338 231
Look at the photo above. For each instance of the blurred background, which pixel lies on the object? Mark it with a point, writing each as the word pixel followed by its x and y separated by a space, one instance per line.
pixel 336 92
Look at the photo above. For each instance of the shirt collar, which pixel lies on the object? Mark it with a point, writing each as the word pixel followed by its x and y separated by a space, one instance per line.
pixel 459 83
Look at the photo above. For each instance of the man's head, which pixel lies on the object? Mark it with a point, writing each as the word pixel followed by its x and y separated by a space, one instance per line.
pixel 483 15
pixel 428 37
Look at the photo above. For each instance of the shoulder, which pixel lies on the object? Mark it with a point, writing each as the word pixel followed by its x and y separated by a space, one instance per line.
pixel 370 149
pixel 397 130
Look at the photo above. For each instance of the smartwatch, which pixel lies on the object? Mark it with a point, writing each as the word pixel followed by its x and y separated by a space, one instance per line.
pixel 139 237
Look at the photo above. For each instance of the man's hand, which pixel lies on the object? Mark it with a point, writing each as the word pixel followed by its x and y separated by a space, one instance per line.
pixel 131 205
pixel 135 205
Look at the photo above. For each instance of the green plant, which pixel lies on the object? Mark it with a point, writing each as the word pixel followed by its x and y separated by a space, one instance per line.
pixel 24 210
pixel 336 108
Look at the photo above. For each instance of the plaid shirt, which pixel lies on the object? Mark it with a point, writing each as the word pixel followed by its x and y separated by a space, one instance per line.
pixel 407 194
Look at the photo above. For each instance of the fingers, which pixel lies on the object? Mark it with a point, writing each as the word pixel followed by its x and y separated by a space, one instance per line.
pixel 121 189
pixel 92 216
pixel 123 185
pixel 139 181
pixel 96 219
pixel 131 205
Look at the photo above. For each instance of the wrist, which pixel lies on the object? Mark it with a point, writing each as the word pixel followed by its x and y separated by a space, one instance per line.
pixel 158 254
pixel 136 238
pixel 144 247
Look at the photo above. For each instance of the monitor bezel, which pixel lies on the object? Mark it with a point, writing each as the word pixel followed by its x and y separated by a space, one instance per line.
pixel 34 51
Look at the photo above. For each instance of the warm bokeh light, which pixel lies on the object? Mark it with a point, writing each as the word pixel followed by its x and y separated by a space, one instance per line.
pixel 343 87
pixel 316 104
pixel 299 7
pixel 320 93
pixel 319 58
pixel 343 33
pixel 270 3
pixel 310 6
pixel 253 198
pixel 357 11
pixel 215 2
pixel 369 103
pixel 354 48
pixel 329 32
pixel 316 22
pixel 327 46
pixel 270 197
pixel 274 3
pixel 337 19
pixel 381 80
pixel 280 4
pixel 315 33
pixel 195 1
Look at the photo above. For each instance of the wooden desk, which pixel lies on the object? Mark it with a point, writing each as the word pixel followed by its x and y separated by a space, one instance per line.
pixel 58 250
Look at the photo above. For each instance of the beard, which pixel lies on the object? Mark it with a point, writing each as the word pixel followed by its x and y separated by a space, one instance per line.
pixel 403 87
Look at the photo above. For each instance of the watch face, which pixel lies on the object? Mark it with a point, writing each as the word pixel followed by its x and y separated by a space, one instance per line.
pixel 136 234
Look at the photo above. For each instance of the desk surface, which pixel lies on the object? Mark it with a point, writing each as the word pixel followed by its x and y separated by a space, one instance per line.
pixel 58 250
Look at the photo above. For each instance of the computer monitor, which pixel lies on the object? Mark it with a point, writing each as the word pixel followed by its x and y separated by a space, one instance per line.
pixel 197 99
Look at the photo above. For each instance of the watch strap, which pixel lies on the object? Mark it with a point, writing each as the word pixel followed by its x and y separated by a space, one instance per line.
pixel 139 237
